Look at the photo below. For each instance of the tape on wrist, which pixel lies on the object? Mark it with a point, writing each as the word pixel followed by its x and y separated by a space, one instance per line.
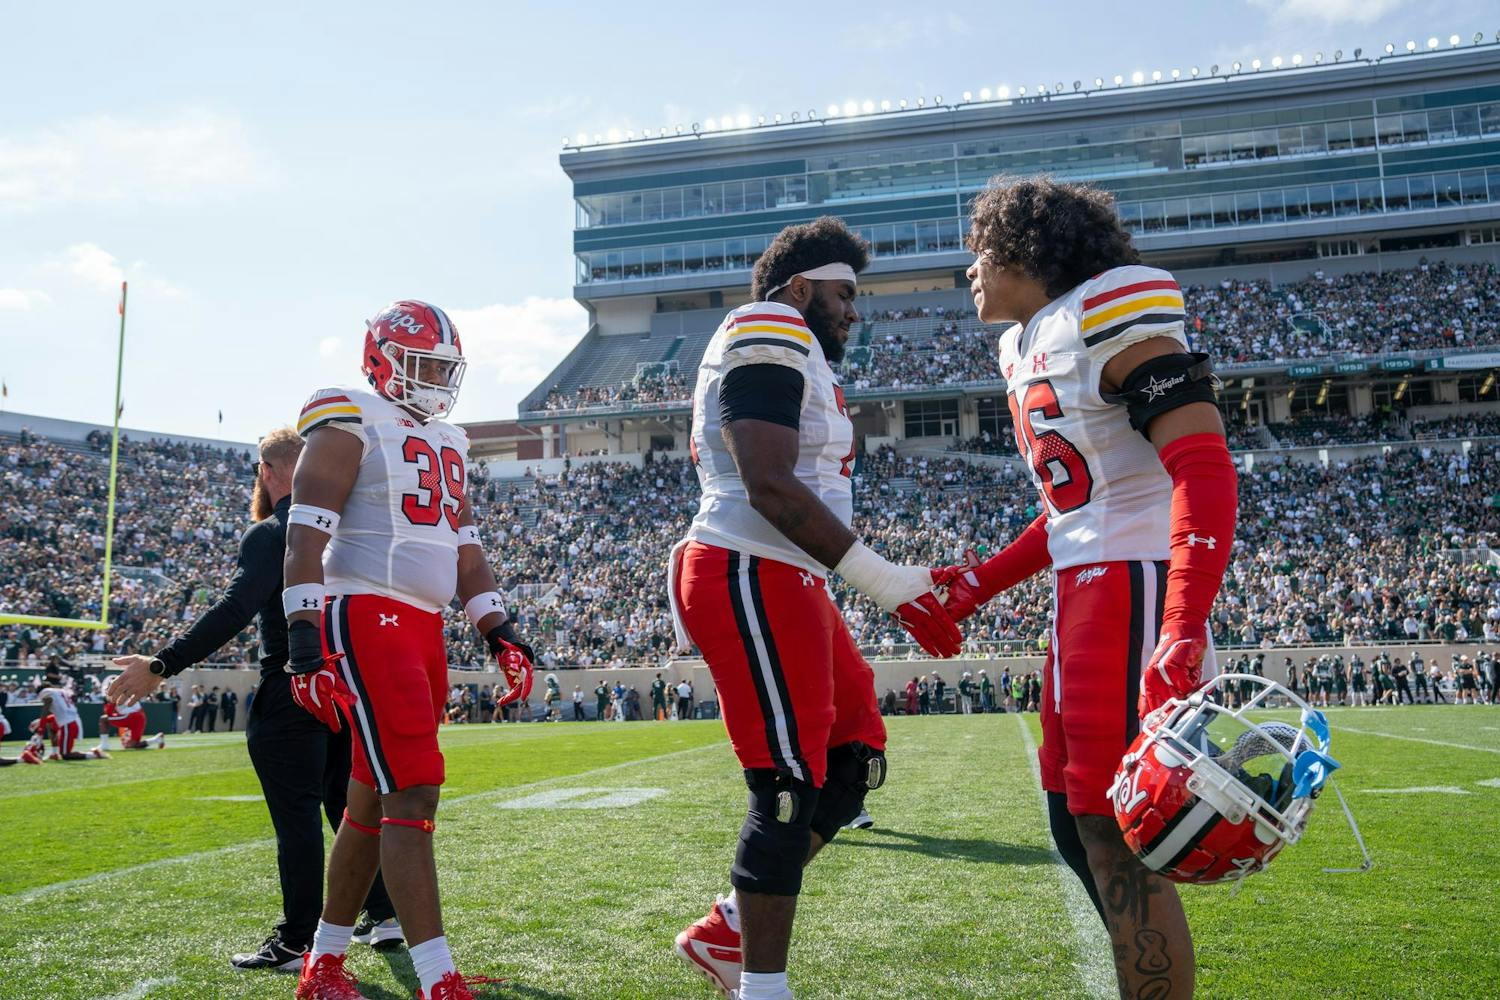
pixel 319 518
pixel 484 604
pixel 872 575
pixel 469 535
pixel 302 597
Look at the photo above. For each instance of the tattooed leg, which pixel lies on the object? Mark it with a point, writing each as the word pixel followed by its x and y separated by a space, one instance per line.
pixel 1153 949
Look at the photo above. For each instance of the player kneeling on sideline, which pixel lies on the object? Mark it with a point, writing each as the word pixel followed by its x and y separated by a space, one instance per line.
pixel 774 448
pixel 1118 423
pixel 59 721
pixel 130 723
pixel 379 537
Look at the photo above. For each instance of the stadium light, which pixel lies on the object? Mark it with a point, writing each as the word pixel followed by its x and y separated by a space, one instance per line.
pixel 1389 48
pixel 1156 76
pixel 867 108
pixel 743 121
pixel 1358 53
pixel 1236 65
pixel 1432 42
pixel 1057 88
pixel 1194 72
pixel 1004 92
pixel 833 111
pixel 761 119
pixel 695 128
pixel 1137 77
pixel 1411 46
pixel 1275 62
pixel 796 116
pixel 1213 70
pixel 1077 86
pixel 678 127
pixel 581 139
pixel 1318 58
pixel 1119 79
pixel 850 108
pixel 1453 40
pixel 1021 92
pixel 968 96
pixel 885 105
pixel 984 93
pixel 902 104
pixel 1177 74
pixel 1296 59
pixel 1478 37
pixel 629 135
pixel 921 102
pixel 1098 82
pixel 777 119
pixel 1255 65
pixel 937 100
pixel 1339 54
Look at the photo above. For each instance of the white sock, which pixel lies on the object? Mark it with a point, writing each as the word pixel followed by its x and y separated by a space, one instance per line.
pixel 730 907
pixel 330 939
pixel 764 986
pixel 431 961
pixel 103 742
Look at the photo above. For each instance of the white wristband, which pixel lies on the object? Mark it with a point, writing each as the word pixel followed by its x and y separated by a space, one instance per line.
pixel 320 518
pixel 484 604
pixel 302 597
pixel 469 535
pixel 881 580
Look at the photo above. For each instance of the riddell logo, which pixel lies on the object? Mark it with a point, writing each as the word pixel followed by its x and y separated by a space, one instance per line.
pixel 1089 575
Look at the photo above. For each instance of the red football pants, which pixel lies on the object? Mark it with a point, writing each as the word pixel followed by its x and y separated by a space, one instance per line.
pixel 1106 618
pixel 130 728
pixel 790 679
pixel 395 662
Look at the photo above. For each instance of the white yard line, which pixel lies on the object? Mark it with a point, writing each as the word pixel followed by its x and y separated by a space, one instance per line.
pixel 1092 949
pixel 1413 739
pixel 139 990
pixel 48 890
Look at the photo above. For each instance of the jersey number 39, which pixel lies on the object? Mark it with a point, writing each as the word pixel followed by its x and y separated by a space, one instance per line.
pixel 440 484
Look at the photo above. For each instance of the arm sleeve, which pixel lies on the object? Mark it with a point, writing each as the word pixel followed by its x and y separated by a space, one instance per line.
pixel 1126 305
pixel 768 392
pixel 255 580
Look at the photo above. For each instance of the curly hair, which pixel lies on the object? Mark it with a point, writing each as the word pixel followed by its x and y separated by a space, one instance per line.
pixel 825 240
pixel 1060 234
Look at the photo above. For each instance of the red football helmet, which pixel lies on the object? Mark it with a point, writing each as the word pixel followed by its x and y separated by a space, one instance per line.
pixel 413 357
pixel 1205 794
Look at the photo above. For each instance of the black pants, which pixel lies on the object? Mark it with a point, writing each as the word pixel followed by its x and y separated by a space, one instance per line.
pixel 229 720
pixel 304 772
pixel 684 708
pixel 1402 688
pixel 578 715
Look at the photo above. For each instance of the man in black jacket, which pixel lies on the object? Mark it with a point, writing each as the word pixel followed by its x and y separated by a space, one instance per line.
pixel 303 768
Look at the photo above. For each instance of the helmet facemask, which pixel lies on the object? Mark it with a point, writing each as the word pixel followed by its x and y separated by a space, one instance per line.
pixel 425 380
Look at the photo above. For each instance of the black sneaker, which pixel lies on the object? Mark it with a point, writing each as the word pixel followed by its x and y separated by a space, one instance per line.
pixel 379 934
pixel 273 955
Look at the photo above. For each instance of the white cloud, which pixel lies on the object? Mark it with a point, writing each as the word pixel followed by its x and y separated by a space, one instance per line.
pixel 97 267
pixel 23 298
pixel 520 342
pixel 329 346
pixel 191 154
pixel 1329 11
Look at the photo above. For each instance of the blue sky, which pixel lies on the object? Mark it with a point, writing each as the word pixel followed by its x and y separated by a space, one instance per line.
pixel 267 180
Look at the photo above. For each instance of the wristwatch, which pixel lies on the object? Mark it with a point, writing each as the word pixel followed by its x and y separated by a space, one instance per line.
pixel 158 667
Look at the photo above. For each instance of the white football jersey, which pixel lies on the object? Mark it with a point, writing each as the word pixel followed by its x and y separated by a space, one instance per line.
pixel 62 705
pixel 120 713
pixel 756 334
pixel 398 531
pixel 1107 496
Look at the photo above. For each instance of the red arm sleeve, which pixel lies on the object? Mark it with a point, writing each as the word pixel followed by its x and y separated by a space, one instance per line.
pixel 1205 501
pixel 1023 558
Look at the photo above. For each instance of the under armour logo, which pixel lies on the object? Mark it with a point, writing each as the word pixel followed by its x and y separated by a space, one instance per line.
pixel 807 578
pixel 322 521
pixel 1039 362
pixel 1205 539
pixel 1089 575
pixel 1158 387
pixel 310 602
pixel 389 620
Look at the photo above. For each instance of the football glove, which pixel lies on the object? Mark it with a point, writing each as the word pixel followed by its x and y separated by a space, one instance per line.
pixel 514 658
pixel 926 621
pixel 1175 670
pixel 906 592
pixel 315 687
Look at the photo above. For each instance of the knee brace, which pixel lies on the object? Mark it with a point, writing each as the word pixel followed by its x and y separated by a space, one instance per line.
pixel 1070 845
pixel 425 825
pixel 853 770
pixel 777 834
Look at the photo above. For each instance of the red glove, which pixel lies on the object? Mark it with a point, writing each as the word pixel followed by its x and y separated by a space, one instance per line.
pixel 516 668
pixel 974 583
pixel 322 693
pixel 926 621
pixel 1175 670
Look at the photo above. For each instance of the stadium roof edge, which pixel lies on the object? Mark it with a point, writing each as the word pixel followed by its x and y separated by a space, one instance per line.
pixel 1141 98
pixel 57 429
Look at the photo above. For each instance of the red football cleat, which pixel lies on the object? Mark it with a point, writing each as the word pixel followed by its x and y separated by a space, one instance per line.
pixel 713 948
pixel 455 987
pixel 327 979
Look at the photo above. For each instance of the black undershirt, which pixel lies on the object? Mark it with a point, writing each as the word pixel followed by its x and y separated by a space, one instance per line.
pixel 768 392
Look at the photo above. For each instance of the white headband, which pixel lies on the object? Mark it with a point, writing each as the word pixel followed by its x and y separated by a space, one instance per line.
pixel 828 272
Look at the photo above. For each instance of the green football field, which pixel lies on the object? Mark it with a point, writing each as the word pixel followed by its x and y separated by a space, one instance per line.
pixel 571 854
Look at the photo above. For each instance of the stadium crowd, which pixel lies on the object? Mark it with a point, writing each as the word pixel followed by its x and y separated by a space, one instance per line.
pixel 1363 551
pixel 1235 320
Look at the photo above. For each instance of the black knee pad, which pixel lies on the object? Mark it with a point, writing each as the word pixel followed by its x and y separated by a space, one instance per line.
pixel 1070 845
pixel 853 770
pixel 777 834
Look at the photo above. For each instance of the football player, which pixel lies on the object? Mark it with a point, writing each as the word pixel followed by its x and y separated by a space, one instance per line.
pixel 62 721
pixel 774 449
pixel 379 538
pixel 130 723
pixel 1118 423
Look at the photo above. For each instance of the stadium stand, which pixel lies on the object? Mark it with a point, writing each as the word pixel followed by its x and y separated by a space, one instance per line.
pixel 1238 322
pixel 1376 548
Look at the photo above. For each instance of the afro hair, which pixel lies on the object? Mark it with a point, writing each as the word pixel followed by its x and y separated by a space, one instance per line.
pixel 825 240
